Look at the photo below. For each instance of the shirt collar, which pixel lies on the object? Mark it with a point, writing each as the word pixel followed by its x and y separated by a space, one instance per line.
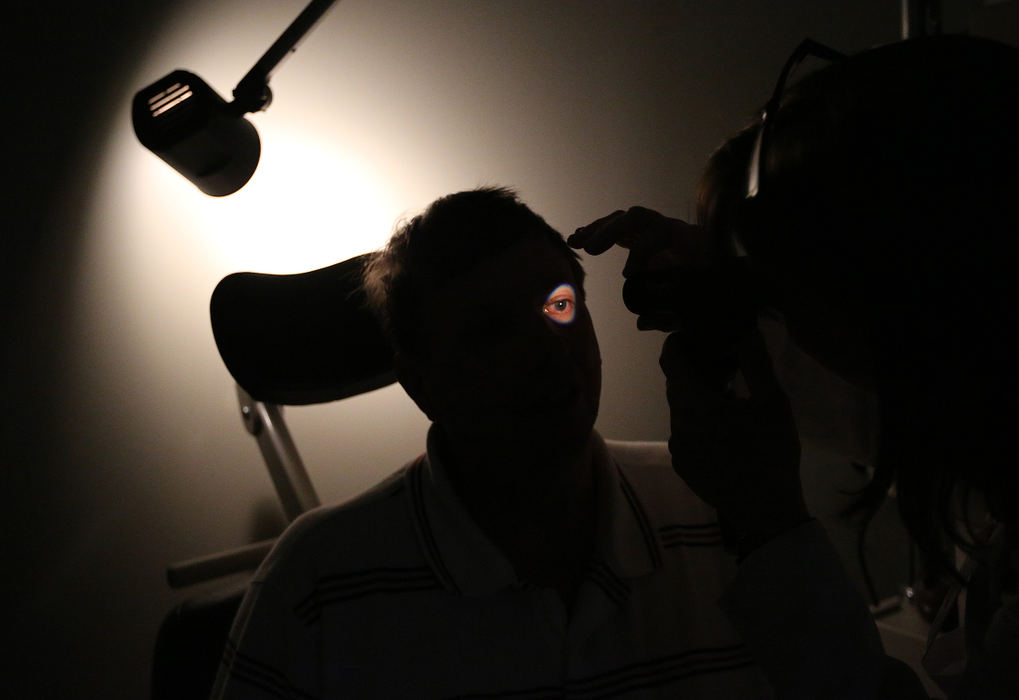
pixel 469 563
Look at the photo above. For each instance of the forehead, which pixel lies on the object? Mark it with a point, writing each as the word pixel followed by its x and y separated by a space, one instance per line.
pixel 497 294
pixel 527 270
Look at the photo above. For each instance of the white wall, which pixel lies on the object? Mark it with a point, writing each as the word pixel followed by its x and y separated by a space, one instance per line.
pixel 128 452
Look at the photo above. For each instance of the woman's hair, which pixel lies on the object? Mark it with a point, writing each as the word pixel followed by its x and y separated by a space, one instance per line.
pixel 890 192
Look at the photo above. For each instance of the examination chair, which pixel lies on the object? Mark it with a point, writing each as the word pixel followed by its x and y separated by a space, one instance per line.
pixel 286 340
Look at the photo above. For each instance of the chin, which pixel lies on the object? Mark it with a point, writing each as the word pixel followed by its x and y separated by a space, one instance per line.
pixel 553 435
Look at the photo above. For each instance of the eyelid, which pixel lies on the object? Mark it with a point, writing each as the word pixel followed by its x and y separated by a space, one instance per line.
pixel 564 292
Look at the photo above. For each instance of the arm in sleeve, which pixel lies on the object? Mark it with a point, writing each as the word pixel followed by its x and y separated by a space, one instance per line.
pixel 808 626
pixel 992 634
pixel 273 651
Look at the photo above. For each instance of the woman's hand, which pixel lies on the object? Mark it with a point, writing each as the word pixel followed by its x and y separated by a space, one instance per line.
pixel 740 454
pixel 655 242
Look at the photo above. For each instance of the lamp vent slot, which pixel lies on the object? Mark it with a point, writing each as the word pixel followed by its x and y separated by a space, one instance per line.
pixel 169 98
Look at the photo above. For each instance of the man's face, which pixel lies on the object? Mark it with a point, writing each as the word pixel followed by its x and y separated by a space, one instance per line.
pixel 510 353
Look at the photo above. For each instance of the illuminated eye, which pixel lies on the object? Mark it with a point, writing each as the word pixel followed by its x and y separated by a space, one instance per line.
pixel 561 304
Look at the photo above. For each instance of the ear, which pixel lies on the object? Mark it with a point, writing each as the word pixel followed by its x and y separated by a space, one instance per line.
pixel 408 373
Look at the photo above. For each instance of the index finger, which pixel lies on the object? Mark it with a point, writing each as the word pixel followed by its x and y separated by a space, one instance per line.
pixel 592 238
pixel 622 228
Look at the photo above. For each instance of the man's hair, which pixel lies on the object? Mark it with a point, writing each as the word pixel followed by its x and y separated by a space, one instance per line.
pixel 455 234
pixel 891 193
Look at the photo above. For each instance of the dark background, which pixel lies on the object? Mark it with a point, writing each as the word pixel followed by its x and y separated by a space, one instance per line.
pixel 89 522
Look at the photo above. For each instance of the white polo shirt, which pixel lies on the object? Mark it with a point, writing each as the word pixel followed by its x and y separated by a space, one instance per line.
pixel 398 594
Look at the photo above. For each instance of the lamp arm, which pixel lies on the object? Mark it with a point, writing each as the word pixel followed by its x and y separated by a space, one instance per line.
pixel 252 93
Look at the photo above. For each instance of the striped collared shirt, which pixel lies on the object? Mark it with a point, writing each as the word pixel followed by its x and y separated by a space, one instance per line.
pixel 398 594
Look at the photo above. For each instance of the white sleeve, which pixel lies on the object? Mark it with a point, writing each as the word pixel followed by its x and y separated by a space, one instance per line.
pixel 274 647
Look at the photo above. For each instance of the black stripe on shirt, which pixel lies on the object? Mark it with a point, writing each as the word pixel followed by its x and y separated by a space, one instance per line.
pixel 249 670
pixel 605 578
pixel 665 679
pixel 360 584
pixel 633 677
pixel 691 535
pixel 540 693
pixel 642 520
pixel 661 671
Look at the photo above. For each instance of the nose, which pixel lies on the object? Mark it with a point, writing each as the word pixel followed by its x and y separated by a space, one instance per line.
pixel 544 354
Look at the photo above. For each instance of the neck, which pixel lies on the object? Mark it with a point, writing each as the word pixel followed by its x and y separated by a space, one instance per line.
pixel 518 476
pixel 537 507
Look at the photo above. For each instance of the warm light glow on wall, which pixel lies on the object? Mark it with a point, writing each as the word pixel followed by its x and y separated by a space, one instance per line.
pixel 384 107
pixel 308 205
pixel 153 248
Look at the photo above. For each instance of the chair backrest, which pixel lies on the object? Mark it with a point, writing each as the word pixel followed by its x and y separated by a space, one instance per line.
pixel 286 340
pixel 300 339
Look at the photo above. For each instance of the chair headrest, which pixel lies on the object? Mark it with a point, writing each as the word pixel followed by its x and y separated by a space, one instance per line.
pixel 300 339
